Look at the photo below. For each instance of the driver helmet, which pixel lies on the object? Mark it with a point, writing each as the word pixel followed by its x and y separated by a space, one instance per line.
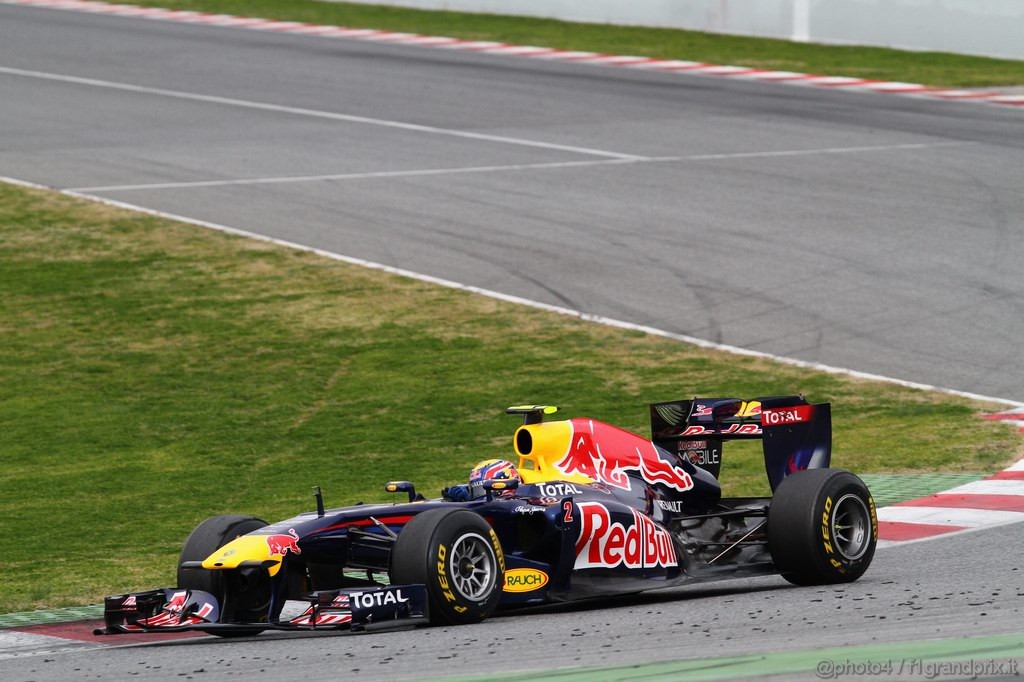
pixel 491 469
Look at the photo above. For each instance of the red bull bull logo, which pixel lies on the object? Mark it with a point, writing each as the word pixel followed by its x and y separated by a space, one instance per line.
pixel 282 544
pixel 606 454
pixel 606 544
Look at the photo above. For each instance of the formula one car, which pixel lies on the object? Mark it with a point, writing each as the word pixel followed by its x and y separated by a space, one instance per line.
pixel 595 510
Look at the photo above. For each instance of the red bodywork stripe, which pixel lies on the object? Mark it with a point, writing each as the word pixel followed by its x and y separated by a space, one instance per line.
pixel 387 521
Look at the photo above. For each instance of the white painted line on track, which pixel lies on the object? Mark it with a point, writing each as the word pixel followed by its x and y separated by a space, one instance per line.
pixel 511 167
pixel 313 113
pixel 950 516
pixel 997 487
pixel 809 152
pixel 355 176
pixel 598 319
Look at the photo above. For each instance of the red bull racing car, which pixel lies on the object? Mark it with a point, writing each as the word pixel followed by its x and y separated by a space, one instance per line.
pixel 594 510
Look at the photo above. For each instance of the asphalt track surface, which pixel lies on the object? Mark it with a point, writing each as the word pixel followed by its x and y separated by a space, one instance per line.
pixel 929 590
pixel 873 232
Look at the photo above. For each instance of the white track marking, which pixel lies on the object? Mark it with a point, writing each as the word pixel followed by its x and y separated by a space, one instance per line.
pixel 512 167
pixel 997 487
pixel 598 319
pixel 894 87
pixel 780 75
pixel 949 516
pixel 313 113
pixel 809 152
pixel 1019 466
pixel 14 644
pixel 353 176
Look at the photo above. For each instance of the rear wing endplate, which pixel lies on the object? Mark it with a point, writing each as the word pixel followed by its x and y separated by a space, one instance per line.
pixel 795 434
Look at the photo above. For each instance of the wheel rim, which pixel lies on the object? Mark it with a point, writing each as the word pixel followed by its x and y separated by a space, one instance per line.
pixel 851 525
pixel 472 567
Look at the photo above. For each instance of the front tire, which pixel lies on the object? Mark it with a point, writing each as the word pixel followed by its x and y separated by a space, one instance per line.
pixel 244 596
pixel 457 555
pixel 822 527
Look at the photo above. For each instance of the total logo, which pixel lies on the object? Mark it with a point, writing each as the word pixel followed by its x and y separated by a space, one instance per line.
pixel 368 600
pixel 524 580
pixel 789 415
pixel 558 490
pixel 606 544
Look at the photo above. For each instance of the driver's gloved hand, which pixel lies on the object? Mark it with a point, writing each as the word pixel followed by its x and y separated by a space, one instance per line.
pixel 456 493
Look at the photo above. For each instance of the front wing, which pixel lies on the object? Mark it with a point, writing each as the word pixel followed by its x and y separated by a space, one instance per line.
pixel 181 610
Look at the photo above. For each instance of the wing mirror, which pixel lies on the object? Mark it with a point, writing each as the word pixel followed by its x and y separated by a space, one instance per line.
pixel 402 487
pixel 498 485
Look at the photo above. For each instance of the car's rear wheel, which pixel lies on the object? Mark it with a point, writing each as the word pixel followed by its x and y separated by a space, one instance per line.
pixel 457 555
pixel 244 594
pixel 822 527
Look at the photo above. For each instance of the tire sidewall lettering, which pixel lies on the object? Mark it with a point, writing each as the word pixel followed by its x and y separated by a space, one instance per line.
pixel 458 601
pixel 833 559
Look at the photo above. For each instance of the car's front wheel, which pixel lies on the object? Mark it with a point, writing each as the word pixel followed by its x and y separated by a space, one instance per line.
pixel 822 527
pixel 244 594
pixel 457 555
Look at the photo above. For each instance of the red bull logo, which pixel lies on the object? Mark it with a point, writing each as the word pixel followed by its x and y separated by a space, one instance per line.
pixel 605 453
pixel 282 544
pixel 605 544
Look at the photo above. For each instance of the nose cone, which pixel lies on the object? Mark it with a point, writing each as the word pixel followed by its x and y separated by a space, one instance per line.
pixel 248 548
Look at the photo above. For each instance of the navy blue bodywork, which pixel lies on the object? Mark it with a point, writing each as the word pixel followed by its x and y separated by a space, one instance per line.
pixel 562 540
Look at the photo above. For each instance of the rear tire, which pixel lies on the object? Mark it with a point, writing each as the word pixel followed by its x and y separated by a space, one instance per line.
pixel 822 527
pixel 244 595
pixel 457 555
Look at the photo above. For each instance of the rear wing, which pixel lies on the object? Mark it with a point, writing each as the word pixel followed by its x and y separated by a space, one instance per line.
pixel 795 434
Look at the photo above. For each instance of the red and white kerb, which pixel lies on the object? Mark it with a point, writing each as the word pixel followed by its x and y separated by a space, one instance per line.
pixel 529 51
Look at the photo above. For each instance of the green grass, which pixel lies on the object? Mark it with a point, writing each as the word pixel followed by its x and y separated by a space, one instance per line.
pixel 928 68
pixel 153 374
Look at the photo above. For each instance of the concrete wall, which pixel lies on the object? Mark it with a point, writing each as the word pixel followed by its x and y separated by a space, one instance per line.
pixel 983 27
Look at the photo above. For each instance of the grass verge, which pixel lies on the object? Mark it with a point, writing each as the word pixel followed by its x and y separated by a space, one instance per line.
pixel 938 69
pixel 153 374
